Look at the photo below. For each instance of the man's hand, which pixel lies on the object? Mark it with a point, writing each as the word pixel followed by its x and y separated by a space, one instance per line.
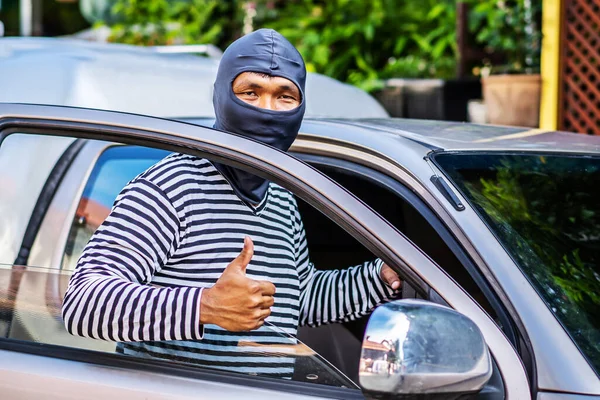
pixel 236 302
pixel 389 276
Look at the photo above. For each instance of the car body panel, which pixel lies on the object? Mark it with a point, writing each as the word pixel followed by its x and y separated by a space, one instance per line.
pixel 277 165
pixel 564 396
pixel 459 136
pixel 405 153
pixel 19 370
pixel 443 135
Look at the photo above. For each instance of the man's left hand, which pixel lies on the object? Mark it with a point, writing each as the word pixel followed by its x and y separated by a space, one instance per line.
pixel 389 276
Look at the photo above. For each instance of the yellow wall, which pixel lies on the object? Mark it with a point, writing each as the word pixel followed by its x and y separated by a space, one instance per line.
pixel 550 63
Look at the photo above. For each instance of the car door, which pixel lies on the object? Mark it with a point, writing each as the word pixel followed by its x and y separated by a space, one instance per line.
pixel 460 243
pixel 316 189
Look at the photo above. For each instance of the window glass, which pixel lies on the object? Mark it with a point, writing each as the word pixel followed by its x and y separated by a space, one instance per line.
pixel 544 209
pixel 28 316
pixel 115 167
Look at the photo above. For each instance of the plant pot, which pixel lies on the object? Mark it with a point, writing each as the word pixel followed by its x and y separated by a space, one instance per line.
pixel 435 99
pixel 512 99
pixel 457 94
pixel 424 99
pixel 391 97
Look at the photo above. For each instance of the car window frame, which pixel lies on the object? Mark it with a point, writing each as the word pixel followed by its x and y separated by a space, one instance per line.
pixel 54 246
pixel 405 193
pixel 312 144
pixel 82 178
pixel 307 183
pixel 159 366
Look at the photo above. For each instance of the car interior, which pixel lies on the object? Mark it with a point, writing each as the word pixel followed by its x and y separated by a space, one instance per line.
pixel 330 247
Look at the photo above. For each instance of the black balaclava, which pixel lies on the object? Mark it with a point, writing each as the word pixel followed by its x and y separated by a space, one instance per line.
pixel 264 51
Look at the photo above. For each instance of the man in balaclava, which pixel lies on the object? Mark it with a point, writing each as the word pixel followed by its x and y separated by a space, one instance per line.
pixel 158 274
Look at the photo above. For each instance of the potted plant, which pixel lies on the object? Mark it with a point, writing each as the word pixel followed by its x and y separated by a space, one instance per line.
pixel 403 52
pixel 422 78
pixel 511 90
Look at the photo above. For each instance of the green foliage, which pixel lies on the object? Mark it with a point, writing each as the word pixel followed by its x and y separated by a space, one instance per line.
pixel 510 27
pixel 362 42
pixel 164 22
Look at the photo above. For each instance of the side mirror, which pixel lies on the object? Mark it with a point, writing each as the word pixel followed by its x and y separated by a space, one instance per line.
pixel 419 347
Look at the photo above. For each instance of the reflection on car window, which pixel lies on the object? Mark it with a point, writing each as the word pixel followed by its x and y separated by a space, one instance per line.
pixel 27 315
pixel 544 210
pixel 115 167
pixel 283 356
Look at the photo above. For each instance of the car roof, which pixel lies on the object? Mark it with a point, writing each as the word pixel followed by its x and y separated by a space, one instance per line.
pixel 384 134
pixel 461 136
pixel 109 76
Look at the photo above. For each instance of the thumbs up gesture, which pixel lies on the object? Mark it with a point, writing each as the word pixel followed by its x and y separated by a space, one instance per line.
pixel 236 302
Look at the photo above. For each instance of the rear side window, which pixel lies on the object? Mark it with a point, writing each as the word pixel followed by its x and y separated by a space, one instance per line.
pixel 116 166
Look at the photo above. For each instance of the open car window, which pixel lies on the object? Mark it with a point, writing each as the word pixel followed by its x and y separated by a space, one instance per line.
pixel 398 204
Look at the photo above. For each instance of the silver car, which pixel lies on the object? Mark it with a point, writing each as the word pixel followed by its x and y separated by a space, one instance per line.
pixel 141 80
pixel 493 229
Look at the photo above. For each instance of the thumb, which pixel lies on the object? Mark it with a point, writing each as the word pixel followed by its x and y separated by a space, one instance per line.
pixel 390 277
pixel 241 262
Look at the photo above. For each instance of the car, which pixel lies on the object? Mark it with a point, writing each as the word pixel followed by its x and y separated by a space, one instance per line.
pixel 151 81
pixel 451 206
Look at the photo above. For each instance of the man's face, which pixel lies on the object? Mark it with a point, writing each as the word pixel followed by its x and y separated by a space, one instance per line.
pixel 268 92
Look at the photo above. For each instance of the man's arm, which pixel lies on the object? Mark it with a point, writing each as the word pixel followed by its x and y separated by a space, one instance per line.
pixel 336 295
pixel 108 295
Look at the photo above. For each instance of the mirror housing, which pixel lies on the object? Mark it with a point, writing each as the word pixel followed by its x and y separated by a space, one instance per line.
pixel 419 347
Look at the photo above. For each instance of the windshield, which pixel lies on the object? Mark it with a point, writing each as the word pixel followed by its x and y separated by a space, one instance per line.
pixel 543 209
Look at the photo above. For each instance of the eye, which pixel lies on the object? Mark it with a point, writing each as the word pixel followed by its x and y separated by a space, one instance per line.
pixel 249 93
pixel 288 98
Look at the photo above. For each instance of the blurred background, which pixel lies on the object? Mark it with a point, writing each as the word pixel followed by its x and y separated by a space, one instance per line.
pixel 532 63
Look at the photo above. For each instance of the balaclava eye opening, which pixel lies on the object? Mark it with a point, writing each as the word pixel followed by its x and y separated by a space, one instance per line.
pixel 267 52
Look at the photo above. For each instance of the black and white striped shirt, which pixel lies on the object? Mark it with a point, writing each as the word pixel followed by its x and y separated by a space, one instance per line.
pixel 171 233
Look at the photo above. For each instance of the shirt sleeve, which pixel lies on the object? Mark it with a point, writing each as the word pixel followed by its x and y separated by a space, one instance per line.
pixel 336 295
pixel 109 295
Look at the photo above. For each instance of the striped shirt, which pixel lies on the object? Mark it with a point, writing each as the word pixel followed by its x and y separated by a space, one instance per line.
pixel 171 233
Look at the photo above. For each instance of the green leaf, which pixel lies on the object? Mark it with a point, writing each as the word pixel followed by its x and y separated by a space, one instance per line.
pixel 436 11
pixel 400 45
pixel 369 32
pixel 439 48
pixel 421 42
